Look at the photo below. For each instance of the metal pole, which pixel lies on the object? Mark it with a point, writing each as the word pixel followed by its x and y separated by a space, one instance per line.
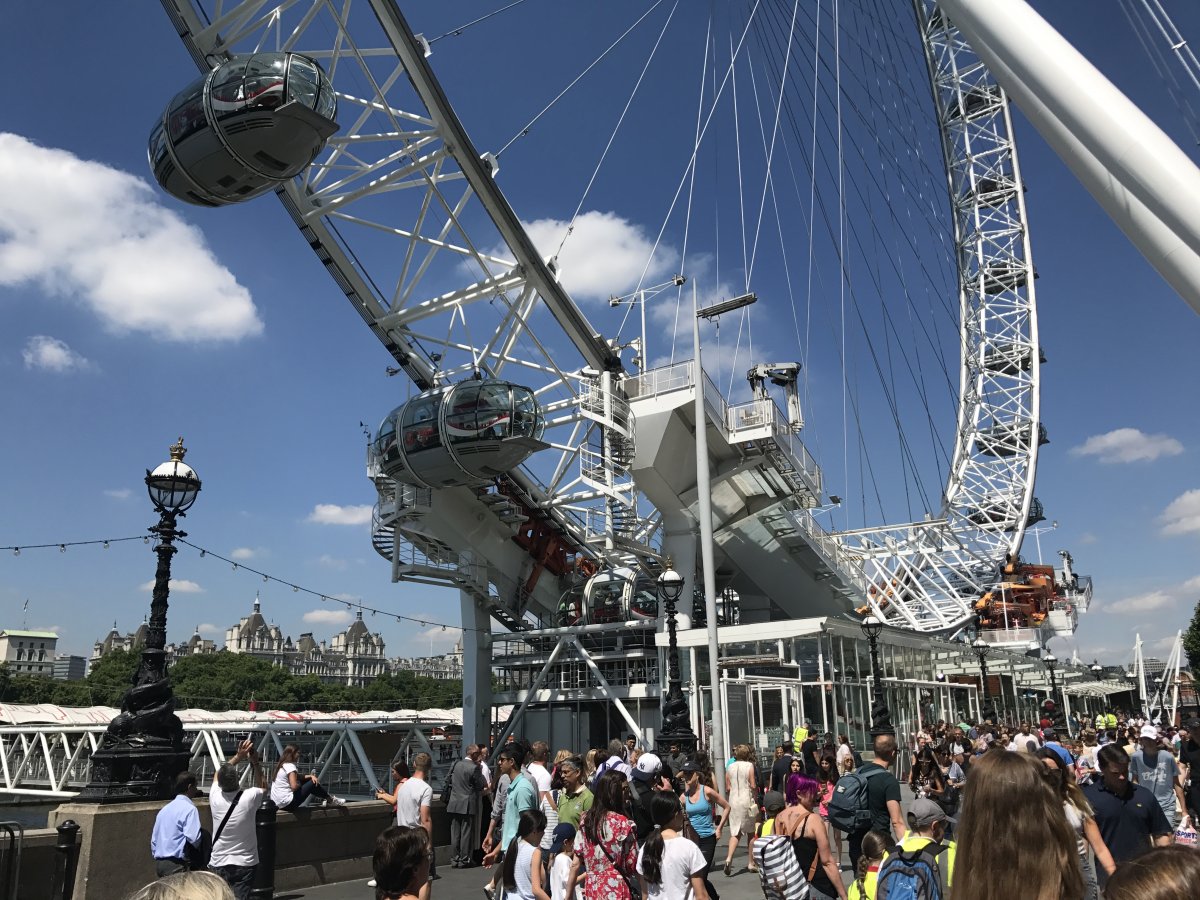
pixel 704 511
pixel 264 831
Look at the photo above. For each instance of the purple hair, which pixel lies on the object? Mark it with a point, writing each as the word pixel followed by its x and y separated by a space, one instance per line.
pixel 798 786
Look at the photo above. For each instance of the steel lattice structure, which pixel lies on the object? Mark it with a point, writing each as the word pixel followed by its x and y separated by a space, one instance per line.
pixel 401 203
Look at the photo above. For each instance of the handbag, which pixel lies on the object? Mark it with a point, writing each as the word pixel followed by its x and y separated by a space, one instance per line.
pixel 448 788
pixel 635 891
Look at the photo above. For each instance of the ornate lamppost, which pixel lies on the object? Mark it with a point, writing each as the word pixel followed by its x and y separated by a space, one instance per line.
pixel 1051 662
pixel 676 721
pixel 142 750
pixel 1097 670
pixel 980 646
pixel 881 716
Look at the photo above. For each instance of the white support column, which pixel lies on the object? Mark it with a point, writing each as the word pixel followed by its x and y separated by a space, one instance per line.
pixel 477 670
pixel 1144 181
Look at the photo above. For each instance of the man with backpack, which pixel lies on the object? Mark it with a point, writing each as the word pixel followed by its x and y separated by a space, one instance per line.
pixel 868 799
pixel 921 866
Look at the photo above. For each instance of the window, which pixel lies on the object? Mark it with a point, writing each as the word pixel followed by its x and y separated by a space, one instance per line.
pixel 20 654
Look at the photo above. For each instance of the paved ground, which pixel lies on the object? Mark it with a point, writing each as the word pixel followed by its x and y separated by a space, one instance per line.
pixel 467 884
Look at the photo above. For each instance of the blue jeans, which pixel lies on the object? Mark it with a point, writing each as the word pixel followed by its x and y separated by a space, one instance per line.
pixel 308 788
pixel 239 878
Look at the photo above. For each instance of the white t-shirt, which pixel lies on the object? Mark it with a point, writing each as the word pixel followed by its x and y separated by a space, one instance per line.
pixel 238 845
pixel 413 794
pixel 1022 741
pixel 540 776
pixel 281 788
pixel 558 879
pixel 680 860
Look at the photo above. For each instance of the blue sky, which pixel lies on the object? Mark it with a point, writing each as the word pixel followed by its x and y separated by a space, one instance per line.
pixel 128 319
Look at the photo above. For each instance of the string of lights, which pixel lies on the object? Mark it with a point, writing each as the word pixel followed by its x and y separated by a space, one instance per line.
pixel 62 546
pixel 241 567
pixel 324 598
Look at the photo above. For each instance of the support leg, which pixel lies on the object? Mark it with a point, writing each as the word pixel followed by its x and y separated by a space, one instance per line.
pixel 477 671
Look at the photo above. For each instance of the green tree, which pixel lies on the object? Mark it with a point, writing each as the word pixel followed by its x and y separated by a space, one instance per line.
pixel 111 676
pixel 1191 642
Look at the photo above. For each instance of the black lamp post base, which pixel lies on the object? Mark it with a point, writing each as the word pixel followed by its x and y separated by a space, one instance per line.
pixel 133 774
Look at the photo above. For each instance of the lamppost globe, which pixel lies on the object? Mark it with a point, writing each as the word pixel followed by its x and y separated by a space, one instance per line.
pixel 670 583
pixel 173 486
pixel 1050 660
pixel 980 645
pixel 1097 670
pixel 872 627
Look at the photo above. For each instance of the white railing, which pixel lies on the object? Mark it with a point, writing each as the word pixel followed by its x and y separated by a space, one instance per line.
pixel 762 419
pixel 53 761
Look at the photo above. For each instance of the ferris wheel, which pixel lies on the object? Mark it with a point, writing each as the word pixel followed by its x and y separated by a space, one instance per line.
pixel 511 466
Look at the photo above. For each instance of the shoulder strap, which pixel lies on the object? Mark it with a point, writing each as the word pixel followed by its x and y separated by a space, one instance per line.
pixel 228 813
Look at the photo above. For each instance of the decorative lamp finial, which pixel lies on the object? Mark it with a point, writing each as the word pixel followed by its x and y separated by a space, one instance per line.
pixel 178 451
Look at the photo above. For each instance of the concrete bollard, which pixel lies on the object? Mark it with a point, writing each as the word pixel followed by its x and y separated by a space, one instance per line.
pixel 264 829
pixel 64 860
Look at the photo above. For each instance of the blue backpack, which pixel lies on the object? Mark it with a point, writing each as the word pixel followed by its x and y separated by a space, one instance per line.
pixel 912 875
pixel 849 809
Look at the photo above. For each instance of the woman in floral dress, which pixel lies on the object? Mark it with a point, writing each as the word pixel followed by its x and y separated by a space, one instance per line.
pixel 607 844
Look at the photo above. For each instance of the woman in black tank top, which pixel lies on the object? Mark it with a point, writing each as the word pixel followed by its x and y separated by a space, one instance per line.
pixel 811 845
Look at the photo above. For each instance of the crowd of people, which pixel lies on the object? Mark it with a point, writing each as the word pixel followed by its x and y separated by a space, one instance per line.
pixel 985 812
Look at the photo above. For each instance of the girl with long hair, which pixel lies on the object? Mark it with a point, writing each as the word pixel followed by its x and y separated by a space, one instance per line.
pixel 289 789
pixel 741 787
pixel 827 776
pixel 810 842
pixel 1081 818
pixel 875 846
pixel 700 802
pixel 606 844
pixel 523 875
pixel 669 865
pixel 1014 839
pixel 925 779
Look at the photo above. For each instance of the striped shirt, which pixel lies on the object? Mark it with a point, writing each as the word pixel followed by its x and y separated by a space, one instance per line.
pixel 779 869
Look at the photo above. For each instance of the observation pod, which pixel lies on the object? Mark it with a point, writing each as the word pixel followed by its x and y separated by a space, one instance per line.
pixel 618 595
pixel 465 434
pixel 248 125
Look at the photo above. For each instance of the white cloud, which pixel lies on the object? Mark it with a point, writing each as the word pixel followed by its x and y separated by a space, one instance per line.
pixel 53 629
pixel 118 493
pixel 332 514
pixel 209 628
pixel 328 616
pixel 245 553
pixel 1182 515
pixel 330 562
pixel 49 354
pixel 1125 445
pixel 1140 603
pixel 1191 586
pixel 605 254
pixel 82 230
pixel 1087 538
pixel 176 586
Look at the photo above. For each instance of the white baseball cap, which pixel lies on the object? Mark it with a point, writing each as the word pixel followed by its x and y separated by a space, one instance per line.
pixel 1150 732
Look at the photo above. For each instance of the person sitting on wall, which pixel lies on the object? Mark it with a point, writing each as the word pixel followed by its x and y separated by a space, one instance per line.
pixel 289 790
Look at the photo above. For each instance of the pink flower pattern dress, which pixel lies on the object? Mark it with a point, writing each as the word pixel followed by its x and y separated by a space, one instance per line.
pixel 603 881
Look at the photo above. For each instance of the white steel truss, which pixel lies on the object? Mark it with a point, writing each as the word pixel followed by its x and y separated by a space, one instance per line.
pixel 401 203
pixel 927 575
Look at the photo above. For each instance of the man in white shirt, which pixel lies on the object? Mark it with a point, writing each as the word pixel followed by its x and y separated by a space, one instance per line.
pixel 235 843
pixel 1023 738
pixel 413 800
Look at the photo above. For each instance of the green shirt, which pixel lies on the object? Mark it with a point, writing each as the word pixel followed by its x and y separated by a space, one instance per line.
pixel 571 808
